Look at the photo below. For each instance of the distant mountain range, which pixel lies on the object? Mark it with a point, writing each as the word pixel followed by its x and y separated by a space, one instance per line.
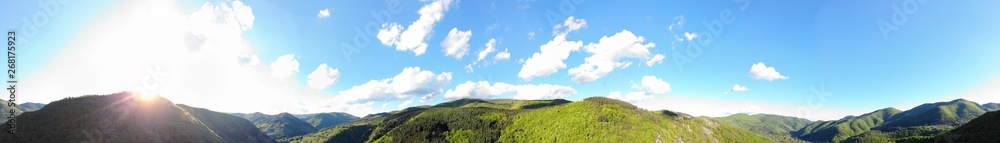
pixel 923 123
pixel 122 117
pixel 21 108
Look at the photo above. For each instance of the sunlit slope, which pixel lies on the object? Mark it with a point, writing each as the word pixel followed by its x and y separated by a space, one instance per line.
pixel 119 117
pixel 595 119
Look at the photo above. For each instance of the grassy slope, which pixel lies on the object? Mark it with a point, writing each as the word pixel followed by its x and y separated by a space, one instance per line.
pixel 774 127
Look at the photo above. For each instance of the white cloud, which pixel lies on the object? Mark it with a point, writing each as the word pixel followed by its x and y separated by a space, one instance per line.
pixel 658 58
pixel 531 35
pixel 457 43
pixel 571 24
pixel 550 59
pixel 323 13
pixel 543 91
pixel 389 34
pixel 738 88
pixel 404 104
pixel 607 53
pixel 631 97
pixel 285 66
pixel 490 47
pixel 690 36
pixel 761 71
pixel 653 85
pixel 502 56
pixel 413 38
pixel 483 90
pixel 323 77
pixel 468 68
pixel 411 82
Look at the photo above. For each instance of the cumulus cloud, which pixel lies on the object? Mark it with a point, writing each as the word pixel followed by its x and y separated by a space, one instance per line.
pixel 761 71
pixel 404 104
pixel 607 54
pixel 653 85
pixel 323 13
pixel 414 36
pixel 631 97
pixel 543 91
pixel 323 77
pixel 658 58
pixel 550 59
pixel 502 55
pixel 490 47
pixel 690 36
pixel 285 66
pixel 411 82
pixel 483 90
pixel 456 44
pixel 738 88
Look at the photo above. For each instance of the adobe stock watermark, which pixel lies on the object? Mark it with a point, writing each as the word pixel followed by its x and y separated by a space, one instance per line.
pixel 715 29
pixel 818 96
pixel 149 82
pixel 566 7
pixel 40 19
pixel 900 15
pixel 363 38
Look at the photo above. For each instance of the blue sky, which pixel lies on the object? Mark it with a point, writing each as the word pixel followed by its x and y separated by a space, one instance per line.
pixel 812 59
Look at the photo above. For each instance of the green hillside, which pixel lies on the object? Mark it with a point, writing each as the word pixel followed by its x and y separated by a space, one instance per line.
pixel 119 117
pixel 30 106
pixel 5 110
pixel 594 119
pixel 774 127
pixel 991 106
pixel 351 132
pixel 324 120
pixel 985 128
pixel 952 113
pixel 838 130
pixel 256 117
pixel 229 128
pixel 284 125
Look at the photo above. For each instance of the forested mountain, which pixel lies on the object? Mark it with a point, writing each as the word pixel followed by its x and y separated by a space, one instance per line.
pixel 120 117
pixel 324 120
pixel 594 119
pixel 774 127
pixel 284 125
pixel 985 128
pixel 124 117
pixel 229 128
